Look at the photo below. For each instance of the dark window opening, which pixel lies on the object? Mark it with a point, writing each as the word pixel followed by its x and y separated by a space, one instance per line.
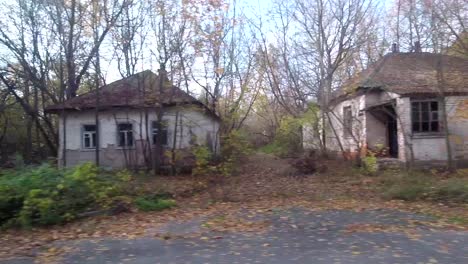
pixel 425 116
pixel 159 131
pixel 89 136
pixel 347 121
pixel 125 135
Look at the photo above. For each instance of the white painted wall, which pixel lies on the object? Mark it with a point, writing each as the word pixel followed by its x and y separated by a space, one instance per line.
pixel 350 143
pixel 190 118
pixel 335 129
pixel 425 147
pixel 433 147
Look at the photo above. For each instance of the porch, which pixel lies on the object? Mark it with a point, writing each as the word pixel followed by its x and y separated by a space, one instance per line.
pixel 382 131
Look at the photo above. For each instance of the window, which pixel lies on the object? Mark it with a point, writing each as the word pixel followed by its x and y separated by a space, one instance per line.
pixel 159 127
pixel 425 116
pixel 125 135
pixel 89 136
pixel 347 121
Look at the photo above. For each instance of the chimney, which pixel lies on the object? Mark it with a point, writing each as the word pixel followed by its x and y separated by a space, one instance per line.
pixel 395 48
pixel 417 46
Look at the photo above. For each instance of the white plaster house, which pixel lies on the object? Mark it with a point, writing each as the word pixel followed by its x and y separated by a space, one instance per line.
pixel 396 107
pixel 128 123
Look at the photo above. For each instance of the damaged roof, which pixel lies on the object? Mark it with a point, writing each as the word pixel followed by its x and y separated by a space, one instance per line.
pixel 415 73
pixel 137 91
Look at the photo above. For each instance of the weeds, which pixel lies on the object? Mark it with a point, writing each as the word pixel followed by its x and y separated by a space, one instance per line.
pixel 414 185
pixel 154 203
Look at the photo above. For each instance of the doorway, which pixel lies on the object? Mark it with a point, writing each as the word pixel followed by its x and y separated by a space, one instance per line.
pixel 392 132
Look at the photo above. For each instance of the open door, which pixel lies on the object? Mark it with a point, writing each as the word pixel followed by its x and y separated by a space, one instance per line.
pixel 386 126
pixel 392 129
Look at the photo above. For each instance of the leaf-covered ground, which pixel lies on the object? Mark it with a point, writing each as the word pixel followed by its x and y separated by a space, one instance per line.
pixel 262 215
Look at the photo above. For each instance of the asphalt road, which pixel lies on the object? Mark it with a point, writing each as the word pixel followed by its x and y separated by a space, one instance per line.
pixel 294 236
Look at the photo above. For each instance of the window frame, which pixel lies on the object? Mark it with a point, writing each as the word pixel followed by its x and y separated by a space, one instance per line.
pixel 126 145
pixel 154 130
pixel 90 134
pixel 430 118
pixel 347 124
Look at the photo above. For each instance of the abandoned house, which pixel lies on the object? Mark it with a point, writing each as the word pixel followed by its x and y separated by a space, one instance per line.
pixel 397 107
pixel 133 114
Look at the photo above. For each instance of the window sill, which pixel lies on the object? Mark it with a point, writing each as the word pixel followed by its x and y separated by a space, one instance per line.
pixel 428 135
pixel 126 148
pixel 88 149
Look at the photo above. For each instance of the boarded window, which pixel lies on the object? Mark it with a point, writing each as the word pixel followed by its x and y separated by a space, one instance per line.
pixel 425 116
pixel 159 132
pixel 125 135
pixel 347 121
pixel 89 136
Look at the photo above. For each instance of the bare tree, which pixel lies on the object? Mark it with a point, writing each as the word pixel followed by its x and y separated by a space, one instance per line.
pixel 48 51
pixel 330 30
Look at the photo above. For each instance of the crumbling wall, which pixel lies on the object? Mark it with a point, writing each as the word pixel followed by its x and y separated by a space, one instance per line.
pixel 432 147
pixel 194 127
pixel 357 138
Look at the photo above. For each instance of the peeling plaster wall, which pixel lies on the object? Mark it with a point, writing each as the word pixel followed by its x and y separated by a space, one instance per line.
pixel 193 123
pixel 370 131
pixel 433 147
pixel 350 143
pixel 376 132
pixel 457 111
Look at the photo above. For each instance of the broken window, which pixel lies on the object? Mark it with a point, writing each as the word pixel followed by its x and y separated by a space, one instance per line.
pixel 125 135
pixel 347 121
pixel 425 116
pixel 157 128
pixel 89 136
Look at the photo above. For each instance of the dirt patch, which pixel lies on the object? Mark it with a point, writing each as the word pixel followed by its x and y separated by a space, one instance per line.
pixel 262 175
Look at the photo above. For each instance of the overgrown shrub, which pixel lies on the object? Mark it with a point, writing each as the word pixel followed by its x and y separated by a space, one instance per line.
pixel 272 148
pixel 203 157
pixel 288 139
pixel 46 195
pixel 369 164
pixel 235 146
pixel 309 164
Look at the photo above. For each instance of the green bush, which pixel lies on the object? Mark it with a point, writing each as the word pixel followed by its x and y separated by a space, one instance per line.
pixel 288 138
pixel 46 195
pixel 203 157
pixel 272 148
pixel 154 203
pixel 369 164
pixel 235 146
